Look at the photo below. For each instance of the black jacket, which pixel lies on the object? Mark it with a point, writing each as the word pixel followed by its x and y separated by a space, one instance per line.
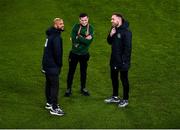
pixel 121 47
pixel 53 51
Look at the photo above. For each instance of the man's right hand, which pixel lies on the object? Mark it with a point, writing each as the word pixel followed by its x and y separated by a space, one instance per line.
pixel 113 31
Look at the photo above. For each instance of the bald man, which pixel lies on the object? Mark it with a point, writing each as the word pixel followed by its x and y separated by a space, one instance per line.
pixel 51 64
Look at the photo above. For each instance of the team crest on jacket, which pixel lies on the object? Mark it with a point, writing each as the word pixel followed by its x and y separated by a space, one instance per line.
pixel 119 35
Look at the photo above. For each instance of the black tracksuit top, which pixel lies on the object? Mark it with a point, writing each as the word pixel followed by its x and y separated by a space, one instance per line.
pixel 121 46
pixel 53 51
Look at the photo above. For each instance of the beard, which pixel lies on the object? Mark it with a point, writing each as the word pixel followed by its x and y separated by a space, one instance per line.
pixel 61 29
pixel 114 24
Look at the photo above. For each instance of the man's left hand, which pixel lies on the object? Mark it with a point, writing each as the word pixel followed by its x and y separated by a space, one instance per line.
pixel 89 37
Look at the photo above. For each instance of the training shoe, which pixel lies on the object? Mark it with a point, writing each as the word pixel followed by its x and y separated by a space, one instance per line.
pixel 68 93
pixel 57 112
pixel 48 106
pixel 123 103
pixel 85 92
pixel 113 99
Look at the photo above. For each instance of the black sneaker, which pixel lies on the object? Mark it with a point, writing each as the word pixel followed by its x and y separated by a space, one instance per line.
pixel 113 99
pixel 57 112
pixel 85 92
pixel 68 93
pixel 123 103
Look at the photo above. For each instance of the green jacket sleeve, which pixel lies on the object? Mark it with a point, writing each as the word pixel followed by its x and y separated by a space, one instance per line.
pixel 74 34
pixel 87 41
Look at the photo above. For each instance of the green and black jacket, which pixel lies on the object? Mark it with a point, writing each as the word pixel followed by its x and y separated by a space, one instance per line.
pixel 80 44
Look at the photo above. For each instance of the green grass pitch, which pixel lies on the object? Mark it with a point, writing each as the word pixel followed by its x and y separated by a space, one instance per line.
pixel 154 75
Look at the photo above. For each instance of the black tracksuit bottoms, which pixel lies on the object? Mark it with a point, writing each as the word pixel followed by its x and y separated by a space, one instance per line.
pixel 52 89
pixel 124 81
pixel 73 61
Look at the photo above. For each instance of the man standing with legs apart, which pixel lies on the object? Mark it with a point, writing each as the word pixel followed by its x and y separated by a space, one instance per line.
pixel 119 38
pixel 81 36
pixel 52 63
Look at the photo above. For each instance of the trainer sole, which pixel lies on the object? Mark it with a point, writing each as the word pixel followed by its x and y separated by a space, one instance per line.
pixel 52 113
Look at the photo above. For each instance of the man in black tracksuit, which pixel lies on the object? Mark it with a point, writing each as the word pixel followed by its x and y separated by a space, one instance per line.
pixel 119 38
pixel 52 63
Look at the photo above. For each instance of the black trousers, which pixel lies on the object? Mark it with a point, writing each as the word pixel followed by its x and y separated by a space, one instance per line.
pixel 73 61
pixel 124 81
pixel 52 89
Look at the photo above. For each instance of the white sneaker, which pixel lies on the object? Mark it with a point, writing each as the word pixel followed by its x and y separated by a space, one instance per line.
pixel 123 103
pixel 57 112
pixel 113 99
pixel 48 106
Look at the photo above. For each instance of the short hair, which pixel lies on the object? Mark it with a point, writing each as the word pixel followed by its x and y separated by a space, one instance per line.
pixel 83 15
pixel 119 15
pixel 57 19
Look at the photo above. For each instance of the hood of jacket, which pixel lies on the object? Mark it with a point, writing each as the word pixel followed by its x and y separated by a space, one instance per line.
pixel 125 25
pixel 53 31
